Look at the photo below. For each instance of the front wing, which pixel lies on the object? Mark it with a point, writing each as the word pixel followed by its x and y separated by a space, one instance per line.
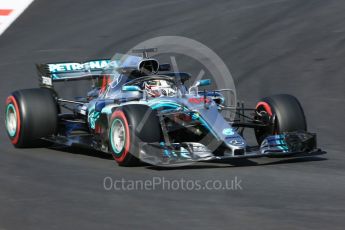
pixel 282 145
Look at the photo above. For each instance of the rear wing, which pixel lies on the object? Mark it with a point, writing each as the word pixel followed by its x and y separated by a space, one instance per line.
pixel 67 71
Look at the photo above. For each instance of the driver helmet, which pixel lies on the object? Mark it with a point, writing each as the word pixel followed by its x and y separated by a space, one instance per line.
pixel 158 88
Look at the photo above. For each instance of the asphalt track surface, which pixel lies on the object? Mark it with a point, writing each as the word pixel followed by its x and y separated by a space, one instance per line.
pixel 282 46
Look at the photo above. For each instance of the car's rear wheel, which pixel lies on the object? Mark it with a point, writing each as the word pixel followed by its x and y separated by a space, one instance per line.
pixel 129 127
pixel 31 114
pixel 282 113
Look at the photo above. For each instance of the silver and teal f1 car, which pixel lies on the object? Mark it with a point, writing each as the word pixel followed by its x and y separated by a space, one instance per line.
pixel 138 110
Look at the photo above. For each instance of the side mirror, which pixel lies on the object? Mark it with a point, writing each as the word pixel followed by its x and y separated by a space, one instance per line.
pixel 204 82
pixel 130 88
pixel 194 88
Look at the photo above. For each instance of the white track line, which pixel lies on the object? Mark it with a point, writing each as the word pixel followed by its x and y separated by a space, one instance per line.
pixel 10 10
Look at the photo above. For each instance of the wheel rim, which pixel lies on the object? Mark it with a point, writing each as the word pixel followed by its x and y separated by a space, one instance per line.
pixel 261 133
pixel 11 120
pixel 118 139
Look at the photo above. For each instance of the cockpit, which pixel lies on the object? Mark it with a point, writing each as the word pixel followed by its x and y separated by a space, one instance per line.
pixel 141 72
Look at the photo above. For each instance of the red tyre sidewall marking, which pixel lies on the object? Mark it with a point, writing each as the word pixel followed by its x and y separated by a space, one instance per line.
pixel 12 100
pixel 268 109
pixel 266 106
pixel 120 114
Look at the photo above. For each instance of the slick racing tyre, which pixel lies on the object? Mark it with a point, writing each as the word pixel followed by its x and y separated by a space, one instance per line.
pixel 30 114
pixel 127 130
pixel 282 112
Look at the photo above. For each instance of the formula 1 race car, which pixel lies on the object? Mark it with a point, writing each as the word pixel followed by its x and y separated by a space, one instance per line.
pixel 138 110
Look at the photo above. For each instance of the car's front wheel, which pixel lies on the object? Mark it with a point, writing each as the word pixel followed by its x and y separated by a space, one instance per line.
pixel 282 113
pixel 129 127
pixel 120 139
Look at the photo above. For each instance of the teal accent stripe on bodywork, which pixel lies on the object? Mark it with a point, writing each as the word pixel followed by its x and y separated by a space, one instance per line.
pixel 163 105
pixel 93 117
